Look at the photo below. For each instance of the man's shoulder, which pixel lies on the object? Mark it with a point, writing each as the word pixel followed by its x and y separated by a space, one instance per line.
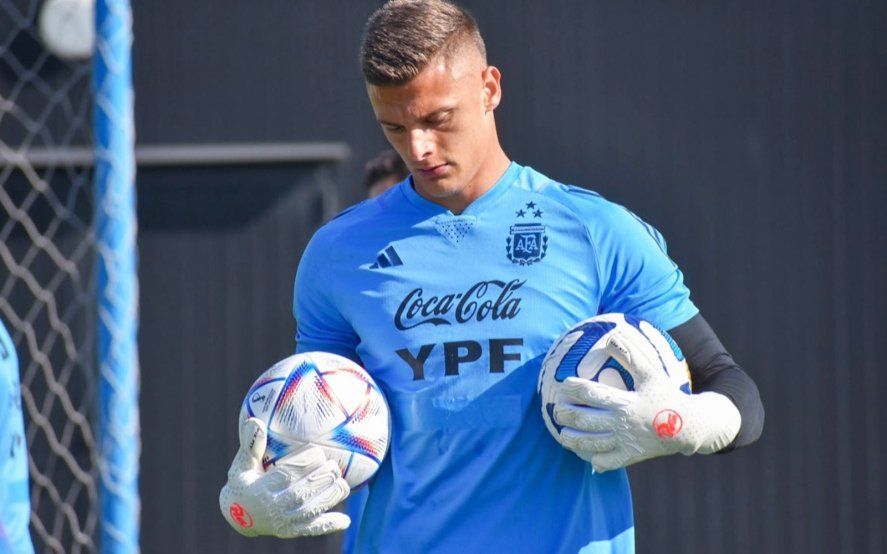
pixel 364 216
pixel 365 226
pixel 584 202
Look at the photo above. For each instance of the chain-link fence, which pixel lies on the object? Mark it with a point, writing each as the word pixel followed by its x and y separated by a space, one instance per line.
pixel 48 257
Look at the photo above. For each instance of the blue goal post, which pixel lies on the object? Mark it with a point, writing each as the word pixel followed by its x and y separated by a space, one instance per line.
pixel 116 279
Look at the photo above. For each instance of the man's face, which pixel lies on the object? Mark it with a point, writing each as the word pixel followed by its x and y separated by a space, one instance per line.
pixel 441 123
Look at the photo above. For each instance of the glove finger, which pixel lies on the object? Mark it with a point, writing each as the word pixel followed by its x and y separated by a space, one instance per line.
pixel 319 491
pixel 584 392
pixel 287 502
pixel 636 354
pixel 323 524
pixel 253 438
pixel 584 418
pixel 303 462
pixel 581 441
pixel 277 480
pixel 329 486
pixel 608 461
pixel 289 473
pixel 324 499
pixel 602 466
pixel 290 506
pixel 287 481
pixel 624 455
pixel 587 456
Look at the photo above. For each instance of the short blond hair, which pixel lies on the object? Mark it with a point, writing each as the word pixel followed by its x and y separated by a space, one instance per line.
pixel 403 36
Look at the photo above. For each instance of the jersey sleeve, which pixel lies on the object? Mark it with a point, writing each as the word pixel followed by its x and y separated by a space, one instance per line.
pixel 320 325
pixel 637 276
pixel 15 504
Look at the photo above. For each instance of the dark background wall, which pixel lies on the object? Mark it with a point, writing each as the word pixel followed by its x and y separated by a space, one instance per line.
pixel 218 249
pixel 752 134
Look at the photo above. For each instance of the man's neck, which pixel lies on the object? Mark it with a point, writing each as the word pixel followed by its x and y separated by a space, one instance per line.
pixel 488 175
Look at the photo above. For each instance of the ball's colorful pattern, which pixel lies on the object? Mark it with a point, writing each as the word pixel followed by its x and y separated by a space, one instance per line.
pixel 325 400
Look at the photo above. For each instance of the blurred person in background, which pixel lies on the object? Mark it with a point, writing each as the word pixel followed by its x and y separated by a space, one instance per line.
pixel 449 288
pixel 15 505
pixel 383 172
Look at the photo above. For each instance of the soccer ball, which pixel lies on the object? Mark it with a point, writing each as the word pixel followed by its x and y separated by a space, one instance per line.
pixel 581 352
pixel 322 399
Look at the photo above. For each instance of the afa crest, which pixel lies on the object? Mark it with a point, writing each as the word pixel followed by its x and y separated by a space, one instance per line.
pixel 526 243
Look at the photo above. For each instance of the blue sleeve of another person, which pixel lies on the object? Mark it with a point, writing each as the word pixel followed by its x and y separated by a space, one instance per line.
pixel 15 507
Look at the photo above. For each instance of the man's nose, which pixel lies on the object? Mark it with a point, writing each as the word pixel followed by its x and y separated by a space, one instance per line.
pixel 421 145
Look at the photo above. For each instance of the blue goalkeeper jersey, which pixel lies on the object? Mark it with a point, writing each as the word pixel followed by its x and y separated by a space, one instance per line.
pixel 452 315
pixel 15 507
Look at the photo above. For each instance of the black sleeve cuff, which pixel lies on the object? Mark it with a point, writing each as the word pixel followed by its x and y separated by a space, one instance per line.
pixel 713 369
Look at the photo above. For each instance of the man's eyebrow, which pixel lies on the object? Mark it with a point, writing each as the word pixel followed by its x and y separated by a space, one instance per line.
pixel 438 112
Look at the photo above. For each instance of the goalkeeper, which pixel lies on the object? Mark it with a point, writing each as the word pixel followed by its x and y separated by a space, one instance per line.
pixel 449 288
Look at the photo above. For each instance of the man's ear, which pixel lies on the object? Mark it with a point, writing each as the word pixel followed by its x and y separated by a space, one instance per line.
pixel 492 88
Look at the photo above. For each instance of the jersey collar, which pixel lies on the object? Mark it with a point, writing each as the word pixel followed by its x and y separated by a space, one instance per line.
pixel 486 199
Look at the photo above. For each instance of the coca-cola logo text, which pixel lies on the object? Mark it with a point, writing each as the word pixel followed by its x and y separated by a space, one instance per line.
pixel 487 299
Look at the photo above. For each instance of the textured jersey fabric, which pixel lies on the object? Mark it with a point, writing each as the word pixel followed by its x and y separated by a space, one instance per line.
pixel 15 507
pixel 452 315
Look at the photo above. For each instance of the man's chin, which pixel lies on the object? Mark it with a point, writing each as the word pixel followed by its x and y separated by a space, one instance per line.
pixel 436 189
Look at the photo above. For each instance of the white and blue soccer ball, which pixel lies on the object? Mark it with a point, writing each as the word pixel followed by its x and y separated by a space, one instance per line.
pixel 322 399
pixel 581 352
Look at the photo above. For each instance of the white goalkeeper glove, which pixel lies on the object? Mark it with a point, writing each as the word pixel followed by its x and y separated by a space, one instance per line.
pixel 612 428
pixel 289 500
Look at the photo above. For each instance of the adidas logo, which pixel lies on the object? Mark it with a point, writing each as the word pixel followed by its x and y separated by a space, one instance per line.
pixel 387 258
